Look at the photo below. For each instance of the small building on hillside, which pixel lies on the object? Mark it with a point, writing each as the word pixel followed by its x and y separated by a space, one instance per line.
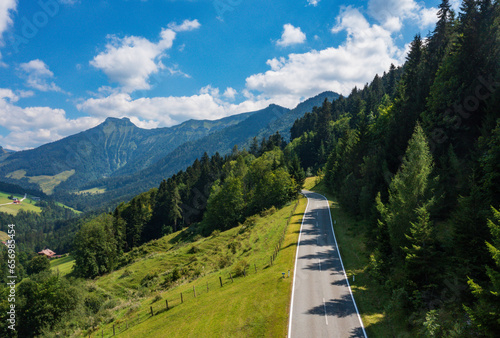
pixel 47 252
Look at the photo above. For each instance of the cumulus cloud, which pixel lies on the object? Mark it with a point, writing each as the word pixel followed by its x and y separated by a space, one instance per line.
pixel 291 36
pixel 391 13
pixel 7 7
pixel 29 127
pixel 313 2
pixel 368 50
pixel 130 61
pixel 187 25
pixel 230 93
pixel 155 112
pixel 38 76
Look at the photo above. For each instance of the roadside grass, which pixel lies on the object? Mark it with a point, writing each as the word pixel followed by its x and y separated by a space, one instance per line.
pixel 254 305
pixel 64 265
pixel 13 209
pixel 371 297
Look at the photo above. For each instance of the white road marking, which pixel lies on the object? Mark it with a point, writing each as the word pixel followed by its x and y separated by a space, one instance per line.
pixel 326 316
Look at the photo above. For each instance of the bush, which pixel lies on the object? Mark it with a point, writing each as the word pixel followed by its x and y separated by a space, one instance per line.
pixel 150 279
pixel 240 267
pixel 224 261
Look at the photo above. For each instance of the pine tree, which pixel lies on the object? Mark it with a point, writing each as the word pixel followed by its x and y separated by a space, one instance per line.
pixel 296 171
pixel 175 211
pixel 421 261
pixel 408 190
pixel 485 313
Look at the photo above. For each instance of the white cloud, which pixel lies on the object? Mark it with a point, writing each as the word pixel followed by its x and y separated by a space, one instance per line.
pixel 29 127
pixel 428 17
pixel 230 93
pixel 313 2
pixel 168 111
pixel 132 60
pixel 291 36
pixel 187 25
pixel 38 75
pixel 391 13
pixel 368 50
pixel 455 5
pixel 7 7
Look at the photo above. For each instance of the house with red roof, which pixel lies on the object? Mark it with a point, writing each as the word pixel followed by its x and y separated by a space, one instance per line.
pixel 47 252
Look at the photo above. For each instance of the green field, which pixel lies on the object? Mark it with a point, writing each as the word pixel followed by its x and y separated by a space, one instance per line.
pixel 48 183
pixel 93 191
pixel 3 236
pixel 254 305
pixel 64 265
pixel 13 209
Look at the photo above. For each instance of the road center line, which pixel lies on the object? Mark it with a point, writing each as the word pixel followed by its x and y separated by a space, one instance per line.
pixel 326 316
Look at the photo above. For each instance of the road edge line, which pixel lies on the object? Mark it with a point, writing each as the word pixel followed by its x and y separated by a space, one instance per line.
pixel 295 268
pixel 343 268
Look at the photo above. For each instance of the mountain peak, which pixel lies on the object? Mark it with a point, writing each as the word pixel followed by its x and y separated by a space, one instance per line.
pixel 124 121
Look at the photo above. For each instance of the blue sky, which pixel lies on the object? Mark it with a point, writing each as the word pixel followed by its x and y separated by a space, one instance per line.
pixel 66 65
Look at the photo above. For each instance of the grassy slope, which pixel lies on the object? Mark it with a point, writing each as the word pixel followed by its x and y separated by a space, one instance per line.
pixel 255 305
pixel 48 183
pixel 370 296
pixel 4 236
pixel 64 265
pixel 14 208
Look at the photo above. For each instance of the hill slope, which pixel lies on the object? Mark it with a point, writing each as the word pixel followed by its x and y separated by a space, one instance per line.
pixel 251 305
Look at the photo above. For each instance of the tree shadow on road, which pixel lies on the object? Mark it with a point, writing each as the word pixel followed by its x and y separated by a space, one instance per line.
pixel 340 308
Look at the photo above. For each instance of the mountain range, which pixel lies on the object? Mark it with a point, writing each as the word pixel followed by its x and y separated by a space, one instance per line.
pixel 116 159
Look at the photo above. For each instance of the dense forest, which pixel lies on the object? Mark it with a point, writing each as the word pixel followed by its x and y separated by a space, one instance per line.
pixel 416 155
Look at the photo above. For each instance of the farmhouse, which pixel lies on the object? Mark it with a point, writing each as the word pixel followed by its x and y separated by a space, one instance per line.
pixel 47 252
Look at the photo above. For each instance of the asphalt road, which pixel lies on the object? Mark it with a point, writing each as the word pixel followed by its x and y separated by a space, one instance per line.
pixel 322 301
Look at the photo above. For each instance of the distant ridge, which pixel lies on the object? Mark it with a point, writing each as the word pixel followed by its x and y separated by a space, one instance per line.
pixel 118 160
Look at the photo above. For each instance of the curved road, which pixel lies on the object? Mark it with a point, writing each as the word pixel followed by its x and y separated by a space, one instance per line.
pixel 322 302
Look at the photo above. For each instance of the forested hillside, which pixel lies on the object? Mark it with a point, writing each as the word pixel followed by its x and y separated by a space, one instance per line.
pixel 417 159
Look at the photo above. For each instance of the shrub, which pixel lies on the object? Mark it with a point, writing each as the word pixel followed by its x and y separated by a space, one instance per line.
pixel 240 267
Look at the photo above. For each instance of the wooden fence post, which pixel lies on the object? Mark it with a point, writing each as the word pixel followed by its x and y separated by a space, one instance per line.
pixel 166 301
pixel 220 279
pixel 231 276
pixel 151 311
pixel 182 300
pixel 255 267
pixel 113 329
pixel 194 291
